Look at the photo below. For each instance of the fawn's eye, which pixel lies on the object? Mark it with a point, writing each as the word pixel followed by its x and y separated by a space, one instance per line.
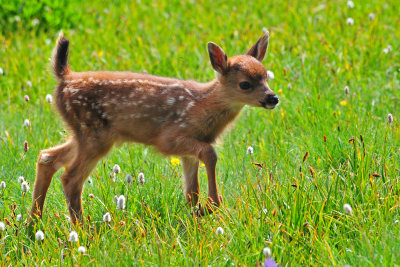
pixel 244 85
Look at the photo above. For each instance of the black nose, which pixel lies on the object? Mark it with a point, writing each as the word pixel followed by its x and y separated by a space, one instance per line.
pixel 272 100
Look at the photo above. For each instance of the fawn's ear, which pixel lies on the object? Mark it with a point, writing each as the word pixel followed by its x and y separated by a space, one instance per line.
pixel 259 48
pixel 218 58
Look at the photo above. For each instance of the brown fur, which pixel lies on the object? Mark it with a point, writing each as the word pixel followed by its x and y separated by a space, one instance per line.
pixel 177 117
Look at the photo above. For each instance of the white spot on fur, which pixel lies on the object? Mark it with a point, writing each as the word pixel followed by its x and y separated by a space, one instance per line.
pixel 177 85
pixel 189 105
pixel 171 101
pixel 188 91
pixel 181 97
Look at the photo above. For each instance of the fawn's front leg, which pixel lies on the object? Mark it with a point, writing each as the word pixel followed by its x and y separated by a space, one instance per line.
pixel 204 152
pixel 190 167
pixel 208 155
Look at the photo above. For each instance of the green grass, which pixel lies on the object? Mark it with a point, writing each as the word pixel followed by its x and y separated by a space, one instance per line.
pixel 297 213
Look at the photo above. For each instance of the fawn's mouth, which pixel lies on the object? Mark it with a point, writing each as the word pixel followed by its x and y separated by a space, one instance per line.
pixel 267 105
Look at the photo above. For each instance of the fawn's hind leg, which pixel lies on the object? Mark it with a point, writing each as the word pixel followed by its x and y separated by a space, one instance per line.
pixel 77 171
pixel 190 166
pixel 50 160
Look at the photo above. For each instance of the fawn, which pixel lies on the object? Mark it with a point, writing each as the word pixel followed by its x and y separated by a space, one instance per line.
pixel 178 117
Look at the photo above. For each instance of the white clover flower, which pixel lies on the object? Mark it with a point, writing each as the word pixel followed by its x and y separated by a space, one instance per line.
pixel 21 179
pixel 267 252
pixel 17 18
pixel 29 84
pixel 350 4
pixel 371 16
pixel 250 150
pixel 347 208
pixel 107 217
pixel 350 21
pixel 116 168
pixel 121 202
pixel 35 22
pixel 26 97
pixel 49 98
pixel 82 249
pixel 19 217
pixel 24 187
pixel 264 30
pixel 141 178
pixel 265 210
pixel 116 199
pixel 389 48
pixel 27 123
pixel 39 235
pixel 289 86
pixel 1 71
pixel 112 176
pixel 2 227
pixel 3 185
pixel 385 50
pixel 128 178
pixel 270 75
pixel 220 231
pixel 390 118
pixel 346 90
pixel 73 237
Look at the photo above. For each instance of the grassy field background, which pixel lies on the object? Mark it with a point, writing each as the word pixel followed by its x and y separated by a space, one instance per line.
pixel 291 203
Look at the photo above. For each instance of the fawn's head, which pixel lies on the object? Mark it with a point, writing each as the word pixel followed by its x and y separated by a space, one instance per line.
pixel 244 77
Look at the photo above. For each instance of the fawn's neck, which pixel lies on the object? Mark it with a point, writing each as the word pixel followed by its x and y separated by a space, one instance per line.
pixel 216 111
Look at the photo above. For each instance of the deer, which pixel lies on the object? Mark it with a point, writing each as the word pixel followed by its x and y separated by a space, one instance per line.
pixel 178 117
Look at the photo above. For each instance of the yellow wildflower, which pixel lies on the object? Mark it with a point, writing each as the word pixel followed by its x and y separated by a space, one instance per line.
pixel 175 161
pixel 343 102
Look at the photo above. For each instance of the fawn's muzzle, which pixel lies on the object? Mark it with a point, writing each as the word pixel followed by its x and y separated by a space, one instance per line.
pixel 270 101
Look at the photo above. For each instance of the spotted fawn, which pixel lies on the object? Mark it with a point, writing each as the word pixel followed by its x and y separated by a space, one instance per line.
pixel 177 117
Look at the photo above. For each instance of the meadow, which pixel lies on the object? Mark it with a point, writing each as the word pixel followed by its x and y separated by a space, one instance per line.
pixel 323 147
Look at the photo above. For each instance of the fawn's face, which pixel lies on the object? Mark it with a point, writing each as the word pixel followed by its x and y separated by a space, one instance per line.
pixel 244 76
